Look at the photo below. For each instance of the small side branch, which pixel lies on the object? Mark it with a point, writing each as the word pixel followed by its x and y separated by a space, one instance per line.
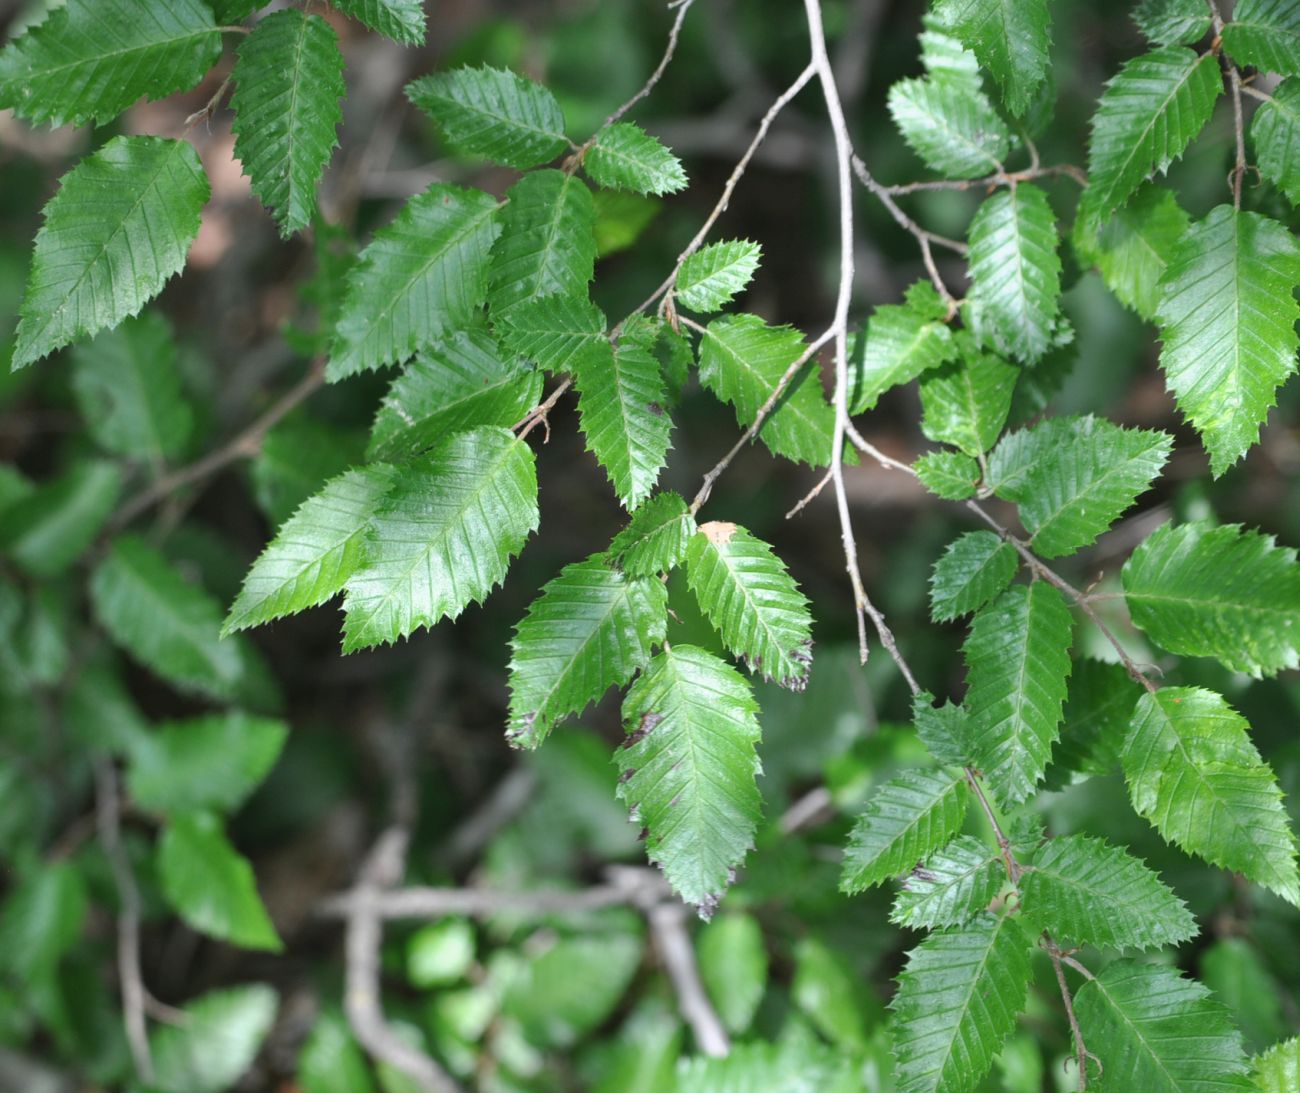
pixel 673 942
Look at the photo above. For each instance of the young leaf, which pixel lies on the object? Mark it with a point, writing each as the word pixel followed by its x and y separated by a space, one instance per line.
pixel 944 730
pixel 900 342
pixel 1265 34
pixel 132 206
pixel 656 538
pixel 957 1001
pixel 1154 1030
pixel 711 277
pixel 211 885
pixel 288 82
pixel 1015 272
pixel 91 59
pixel 974 568
pixel 493 113
pixel 951 887
pixel 442 537
pixel 1193 772
pixel 546 246
pixel 1149 113
pixel 459 383
pixel 688 768
pixel 47 530
pixel 1223 592
pixel 1278 1069
pixel 1227 319
pixel 1083 890
pixel 953 476
pixel 558 332
pixel 625 157
pixel 424 274
pixel 331 1060
pixel 400 20
pixel 966 402
pixel 1275 132
pixel 620 405
pixel 1017 454
pixel 1172 22
pixel 951 125
pixel 1018 661
pixel 748 595
pixel 905 820
pixel 591 628
pixel 1010 39
pixel 742 360
pixel 216 1043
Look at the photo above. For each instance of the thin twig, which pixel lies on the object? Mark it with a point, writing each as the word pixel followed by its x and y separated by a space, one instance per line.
pixel 1256 93
pixel 998 178
pixel 540 415
pixel 810 496
pixel 209 108
pixel 668 928
pixel 1081 1052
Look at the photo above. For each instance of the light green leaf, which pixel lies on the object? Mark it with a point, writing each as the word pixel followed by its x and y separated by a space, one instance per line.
pixel 1155 1031
pixel 711 277
pixel 742 360
pixel 133 205
pixel 1017 454
pixel 210 762
pixel 655 539
pixel 401 20
pixel 688 768
pixel 461 382
pixel 591 628
pixel 128 389
pixel 493 113
pixel 944 730
pixel 974 568
pixel 951 125
pixel 424 274
pixel 1172 22
pixel 733 966
pixel 905 820
pixel 957 1001
pixel 833 997
pixel 216 1044
pixel 1015 272
pixel 900 342
pixel 1223 592
pixel 547 246
pixel 42 918
pixel 1193 772
pixel 1278 1069
pixel 440 953
pixel 288 83
pixel 1149 113
pixel 331 1061
pixel 1010 39
pixel 211 885
pixel 950 887
pixel 953 476
pixel 966 402
pixel 1238 974
pixel 1018 661
pixel 625 157
pixel 1265 34
pixel 558 332
pixel 442 537
pixel 1275 132
pixel 46 531
pixel 796 1064
pixel 1227 320
pixel 91 59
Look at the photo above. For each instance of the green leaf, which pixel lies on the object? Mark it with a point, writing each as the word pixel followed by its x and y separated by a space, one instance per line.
pixel 1235 970
pixel 733 967
pixel 900 342
pixel 953 476
pixel 974 568
pixel 1172 22
pixel 1193 772
pixel 944 730
pixel 951 125
pixel 1275 132
pixel 493 113
pixel 1097 716
pixel 442 537
pixel 1018 662
pixel 297 458
pixel 42 918
pixel 625 157
pixel 1227 320
pixel 966 402
pixel 212 762
pixel 546 246
pixel 655 539
pixel 424 274
pixel 216 1043
pixel 401 20
pixel 905 820
pixel 796 1063
pixel 688 768
pixel 957 1001
pixel 621 408
pixel 1013 461
pixel 1223 592
pixel 1133 245
pixel 211 885
pixel 288 82
pixel 128 390
pixel 91 59
pixel 1015 272
pixel 835 999
pixel 1155 1031
pixel 1085 891
pixel 1278 1069
pixel 1265 34
pixel 440 953
pixel 742 360
pixel 461 382
pixel 950 887
pixel 133 205
pixel 711 277
pixel 47 531
pixel 331 1061
pixel 1010 38
pixel 558 332
pixel 1149 113
pixel 591 628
